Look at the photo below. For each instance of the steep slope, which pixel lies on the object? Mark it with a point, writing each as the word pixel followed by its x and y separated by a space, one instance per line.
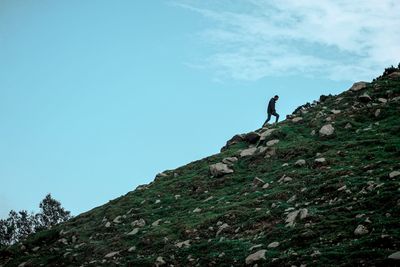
pixel 318 189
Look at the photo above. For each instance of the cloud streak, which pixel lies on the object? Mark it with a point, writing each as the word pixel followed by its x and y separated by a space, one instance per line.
pixel 337 39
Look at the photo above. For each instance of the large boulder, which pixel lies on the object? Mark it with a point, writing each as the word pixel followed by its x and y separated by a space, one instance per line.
pixel 248 152
pixel 266 134
pixel 326 130
pixel 358 86
pixel 365 98
pixel 234 140
pixel 220 169
pixel 252 137
pixel 259 255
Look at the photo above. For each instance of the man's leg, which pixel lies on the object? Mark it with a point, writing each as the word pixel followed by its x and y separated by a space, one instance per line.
pixel 268 118
pixel 277 117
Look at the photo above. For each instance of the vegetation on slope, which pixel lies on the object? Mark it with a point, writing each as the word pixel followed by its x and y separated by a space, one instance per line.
pixel 318 200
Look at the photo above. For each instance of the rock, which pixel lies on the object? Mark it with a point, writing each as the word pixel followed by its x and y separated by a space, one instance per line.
pixel 312 133
pixel 177 197
pixel 208 199
pixel 377 113
pixel 365 98
pixel 265 186
pixel 117 219
pixel 320 161
pixel 252 137
pixel 220 169
pixel 22 264
pixel 196 210
pixel 273 245
pixel 272 142
pixel 393 75
pixel 326 130
pixel 297 119
pixel 248 152
pixel 395 256
pixel 132 249
pixel 63 240
pixel 266 134
pixel 335 111
pixel 133 232
pixel 382 100
pixel 107 225
pixel 257 182
pixel 111 254
pixel 348 126
pixel 234 140
pixel 156 223
pixel 35 249
pixel 300 163
pixel 358 86
pixel 291 217
pixel 222 228
pixel 259 255
pixel 160 261
pixel 394 174
pixel 139 223
pixel 157 201
pixel 303 213
pixel 230 160
pixel 185 244
pixel 361 230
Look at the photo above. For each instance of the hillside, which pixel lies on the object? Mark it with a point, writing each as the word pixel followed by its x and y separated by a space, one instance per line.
pixel 321 188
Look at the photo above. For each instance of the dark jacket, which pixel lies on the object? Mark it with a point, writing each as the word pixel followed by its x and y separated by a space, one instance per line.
pixel 271 106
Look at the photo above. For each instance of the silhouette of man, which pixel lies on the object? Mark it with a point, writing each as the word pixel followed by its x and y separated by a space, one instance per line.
pixel 271 110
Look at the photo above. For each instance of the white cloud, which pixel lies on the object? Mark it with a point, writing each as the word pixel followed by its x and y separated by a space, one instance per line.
pixel 337 39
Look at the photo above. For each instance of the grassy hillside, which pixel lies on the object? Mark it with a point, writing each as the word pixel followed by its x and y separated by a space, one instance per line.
pixel 308 200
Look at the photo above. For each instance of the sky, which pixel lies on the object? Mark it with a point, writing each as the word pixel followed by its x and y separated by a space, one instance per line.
pixel 97 97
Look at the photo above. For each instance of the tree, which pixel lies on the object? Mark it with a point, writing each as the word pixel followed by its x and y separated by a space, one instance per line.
pixel 51 213
pixel 21 224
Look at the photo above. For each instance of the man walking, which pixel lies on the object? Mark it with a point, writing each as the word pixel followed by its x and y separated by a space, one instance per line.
pixel 271 110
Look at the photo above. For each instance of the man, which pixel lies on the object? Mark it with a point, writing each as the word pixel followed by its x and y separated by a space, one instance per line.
pixel 271 110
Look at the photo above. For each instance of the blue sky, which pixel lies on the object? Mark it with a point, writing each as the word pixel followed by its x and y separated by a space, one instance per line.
pixel 97 97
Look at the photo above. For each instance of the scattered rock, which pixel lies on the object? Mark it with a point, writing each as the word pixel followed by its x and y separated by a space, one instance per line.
pixel 132 249
pixel 265 186
pixel 111 254
pixel 222 228
pixel 252 137
pixel 348 126
pixel 248 152
pixel 230 160
pixel 266 134
pixel 196 210
pixel 365 98
pixel 358 86
pixel 139 223
pixel 320 161
pixel 156 223
pixel 297 119
pixel 259 255
pixel 291 217
pixel 157 201
pixel 335 111
pixel 377 112
pixel 257 182
pixel 234 140
pixel 326 130
pixel 107 225
pixel 272 142
pixel 160 261
pixel 185 244
pixel 220 169
pixel 117 219
pixel 395 256
pixel 273 245
pixel 177 197
pixel 35 249
pixel 300 163
pixel 133 232
pixel 394 174
pixel 361 230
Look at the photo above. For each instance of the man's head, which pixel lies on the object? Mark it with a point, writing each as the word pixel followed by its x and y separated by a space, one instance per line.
pixel 276 97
